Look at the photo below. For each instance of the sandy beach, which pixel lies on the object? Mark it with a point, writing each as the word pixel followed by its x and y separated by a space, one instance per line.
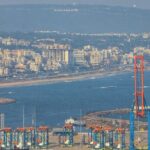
pixel 62 78
pixel 67 77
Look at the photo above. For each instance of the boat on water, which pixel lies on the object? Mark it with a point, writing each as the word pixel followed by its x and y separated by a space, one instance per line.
pixel 75 122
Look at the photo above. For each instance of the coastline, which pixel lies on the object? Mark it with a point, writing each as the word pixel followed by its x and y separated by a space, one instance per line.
pixel 63 78
pixel 68 77
pixel 7 101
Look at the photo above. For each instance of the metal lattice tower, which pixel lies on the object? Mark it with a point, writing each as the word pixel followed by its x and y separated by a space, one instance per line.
pixel 139 101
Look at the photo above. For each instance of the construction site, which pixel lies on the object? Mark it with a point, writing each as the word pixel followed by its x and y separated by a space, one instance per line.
pixel 99 131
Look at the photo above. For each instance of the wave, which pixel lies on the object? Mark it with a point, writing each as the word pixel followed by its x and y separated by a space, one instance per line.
pixel 10 92
pixel 66 10
pixel 68 81
pixel 146 87
pixel 92 78
pixel 106 87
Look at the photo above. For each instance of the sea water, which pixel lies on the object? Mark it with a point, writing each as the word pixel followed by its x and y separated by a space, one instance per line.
pixel 51 104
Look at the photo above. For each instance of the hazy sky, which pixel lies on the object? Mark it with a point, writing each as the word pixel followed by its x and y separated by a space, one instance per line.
pixel 138 3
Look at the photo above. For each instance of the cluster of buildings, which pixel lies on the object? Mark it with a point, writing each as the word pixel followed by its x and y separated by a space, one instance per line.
pixel 54 57
pixel 20 56
pixel 90 56
pixel 141 50
pixel 48 58
pixel 12 41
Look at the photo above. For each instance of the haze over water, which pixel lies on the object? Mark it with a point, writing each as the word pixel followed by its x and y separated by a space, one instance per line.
pixel 56 102
pixel 53 103
pixel 73 18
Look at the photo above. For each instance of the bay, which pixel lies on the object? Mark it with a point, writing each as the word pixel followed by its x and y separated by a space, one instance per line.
pixel 53 103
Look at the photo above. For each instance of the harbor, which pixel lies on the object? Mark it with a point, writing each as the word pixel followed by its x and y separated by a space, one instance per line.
pixel 118 128
pixel 74 75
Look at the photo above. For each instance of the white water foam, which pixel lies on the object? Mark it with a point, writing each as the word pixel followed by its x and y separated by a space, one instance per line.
pixel 106 87
pixel 146 87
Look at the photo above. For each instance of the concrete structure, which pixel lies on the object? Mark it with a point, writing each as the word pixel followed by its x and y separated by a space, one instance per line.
pixel 79 57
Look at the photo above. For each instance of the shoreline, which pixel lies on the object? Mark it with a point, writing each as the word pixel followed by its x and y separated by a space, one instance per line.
pixel 63 78
pixel 68 77
pixel 7 101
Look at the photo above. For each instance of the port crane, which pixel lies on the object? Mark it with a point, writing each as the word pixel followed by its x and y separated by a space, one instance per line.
pixel 140 108
pixel 139 101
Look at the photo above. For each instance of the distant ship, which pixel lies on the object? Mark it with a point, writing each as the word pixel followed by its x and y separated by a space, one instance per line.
pixel 75 122
pixel 66 10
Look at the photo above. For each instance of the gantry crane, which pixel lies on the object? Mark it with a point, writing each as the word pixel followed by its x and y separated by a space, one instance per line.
pixel 139 101
pixel 140 109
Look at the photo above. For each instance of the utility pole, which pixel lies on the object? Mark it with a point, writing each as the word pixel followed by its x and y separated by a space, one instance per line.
pixel 23 120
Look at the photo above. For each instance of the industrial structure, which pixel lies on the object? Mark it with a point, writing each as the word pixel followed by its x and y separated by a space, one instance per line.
pixel 140 109
pixel 23 138
pixel 103 137
pixel 99 137
pixel 66 137
pixel 139 86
